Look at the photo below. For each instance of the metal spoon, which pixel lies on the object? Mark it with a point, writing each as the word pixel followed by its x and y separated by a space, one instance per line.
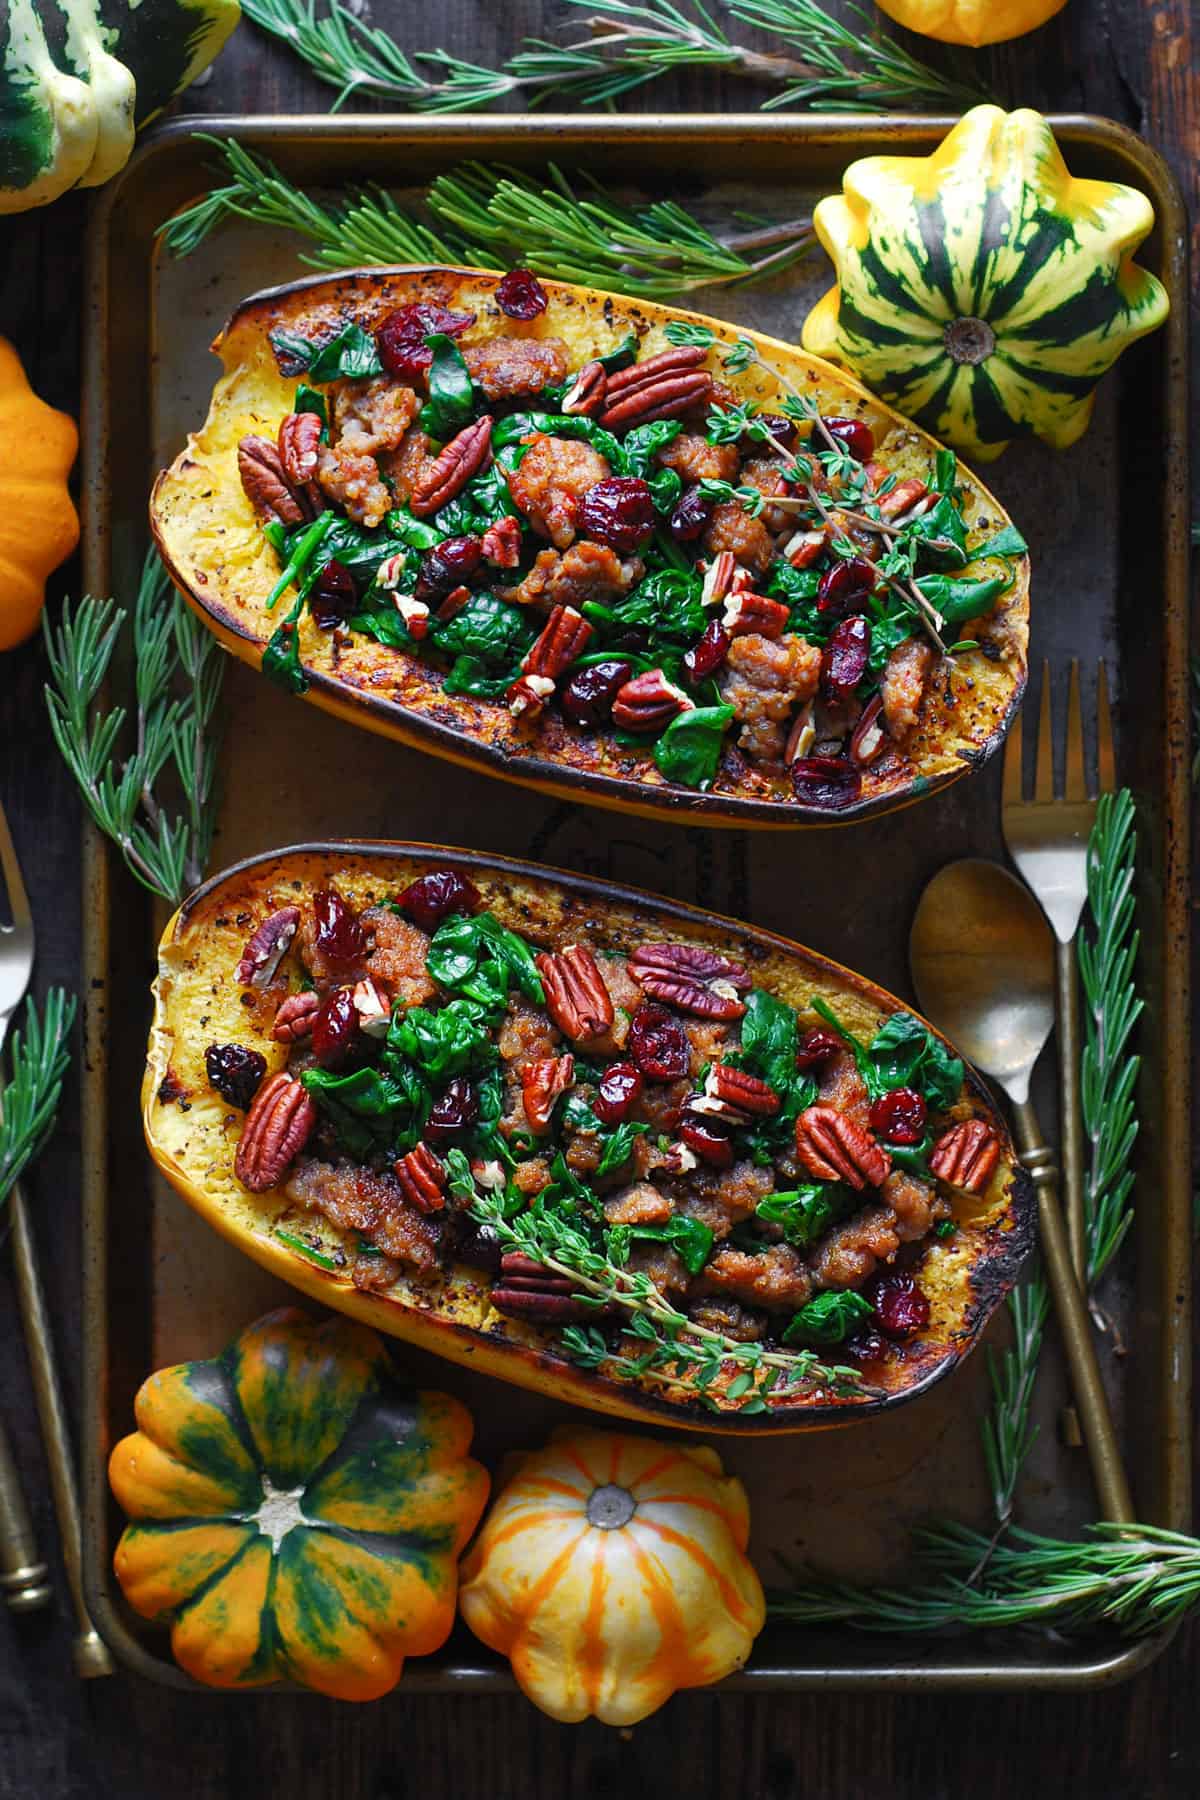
pixel 982 959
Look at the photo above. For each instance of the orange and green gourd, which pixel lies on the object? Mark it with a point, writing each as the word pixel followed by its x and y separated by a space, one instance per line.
pixel 296 1513
pixel 984 290
pixel 612 1571
pixel 39 527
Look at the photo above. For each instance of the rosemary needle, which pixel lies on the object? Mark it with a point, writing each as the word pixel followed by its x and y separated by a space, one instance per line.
pixel 39 1058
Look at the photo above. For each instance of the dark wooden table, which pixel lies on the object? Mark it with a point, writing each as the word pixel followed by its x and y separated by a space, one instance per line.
pixel 1139 63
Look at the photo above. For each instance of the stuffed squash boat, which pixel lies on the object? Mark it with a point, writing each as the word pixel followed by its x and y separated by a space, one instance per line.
pixel 592 1142
pixel 601 547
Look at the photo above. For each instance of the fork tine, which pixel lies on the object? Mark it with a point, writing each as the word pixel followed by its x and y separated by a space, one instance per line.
pixel 1014 778
pixel 1104 733
pixel 1043 785
pixel 1075 787
pixel 18 899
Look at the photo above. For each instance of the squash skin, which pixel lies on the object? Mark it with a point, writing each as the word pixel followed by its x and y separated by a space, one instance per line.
pixel 995 193
pixel 611 1621
pixel 306 1418
pixel 212 546
pixel 192 1134
pixel 39 526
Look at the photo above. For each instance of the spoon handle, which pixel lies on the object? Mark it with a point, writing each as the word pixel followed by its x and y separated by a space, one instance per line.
pixel 1112 1488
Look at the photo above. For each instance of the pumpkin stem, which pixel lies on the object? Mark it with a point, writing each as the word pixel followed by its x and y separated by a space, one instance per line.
pixel 969 340
pixel 610 1507
pixel 279 1513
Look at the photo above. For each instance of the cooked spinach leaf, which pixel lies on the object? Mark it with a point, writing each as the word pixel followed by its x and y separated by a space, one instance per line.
pixel 451 402
pixel 690 748
pixel 1008 542
pixel 492 630
pixel 451 1041
pixel 905 1053
pixel 351 354
pixel 690 1238
pixel 804 1214
pixel 958 598
pixel 477 957
pixel 828 1318
pixel 382 1108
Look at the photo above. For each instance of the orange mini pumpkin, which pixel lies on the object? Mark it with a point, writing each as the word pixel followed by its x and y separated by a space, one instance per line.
pixel 612 1571
pixel 39 527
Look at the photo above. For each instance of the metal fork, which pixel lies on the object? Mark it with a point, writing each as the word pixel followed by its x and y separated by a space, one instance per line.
pixel 1047 838
pixel 26 1580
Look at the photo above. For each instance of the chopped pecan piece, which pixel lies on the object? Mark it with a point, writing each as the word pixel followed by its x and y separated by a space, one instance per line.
pixel 649 702
pixel 267 947
pixel 576 997
pixel 528 695
pixel 745 613
pixel 965 1156
pixel 834 1147
pixel 739 1089
pixel 870 735
pixel 294 1019
pixel 565 636
pixel 904 498
pixel 586 391
pixel 422 1179
pixel 462 458
pixel 542 1082
pixel 502 543
pixel 692 978
pixel 718 578
pixel 278 1125
pixel 263 478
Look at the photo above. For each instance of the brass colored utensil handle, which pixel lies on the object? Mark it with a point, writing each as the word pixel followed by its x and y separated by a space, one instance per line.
pixel 22 1577
pixel 1116 1502
pixel 1070 1105
pixel 90 1652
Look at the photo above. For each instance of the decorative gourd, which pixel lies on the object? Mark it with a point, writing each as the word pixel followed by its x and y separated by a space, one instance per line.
pixel 974 22
pixel 612 1572
pixel 38 523
pixel 984 290
pixel 75 75
pixel 297 1513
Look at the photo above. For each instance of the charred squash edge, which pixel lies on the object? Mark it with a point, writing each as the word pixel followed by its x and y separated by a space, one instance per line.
pixel 991 1276
pixel 621 793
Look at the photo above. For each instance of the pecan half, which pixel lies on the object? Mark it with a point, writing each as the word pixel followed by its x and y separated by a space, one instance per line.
pixel 649 702
pixel 870 734
pixel 541 1085
pixel 502 543
pixel 264 481
pixel 664 397
pixel 740 1089
pixel 422 1179
pixel 576 997
pixel 525 1289
pixel 294 1020
pixel 586 392
pixel 746 613
pixel 677 360
pixel 267 947
pixel 965 1156
pixel 528 695
pixel 834 1148
pixel 462 458
pixel 299 444
pixel 278 1126
pixel 692 978
pixel 565 636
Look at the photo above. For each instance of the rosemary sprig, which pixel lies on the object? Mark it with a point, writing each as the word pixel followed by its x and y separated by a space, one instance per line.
pixel 40 1057
pixel 618 47
pixel 490 214
pixel 1136 1577
pixel 177 684
pixel 672 1349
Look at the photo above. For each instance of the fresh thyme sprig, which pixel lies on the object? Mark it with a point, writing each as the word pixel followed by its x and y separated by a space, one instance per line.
pixel 673 1349
pixel 1137 1577
pixel 616 47
pixel 40 1057
pixel 491 214
pixel 177 682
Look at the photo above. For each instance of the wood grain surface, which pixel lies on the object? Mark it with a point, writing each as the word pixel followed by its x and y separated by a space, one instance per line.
pixel 1135 60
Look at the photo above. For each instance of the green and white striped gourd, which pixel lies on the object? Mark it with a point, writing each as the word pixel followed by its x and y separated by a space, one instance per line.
pixel 984 290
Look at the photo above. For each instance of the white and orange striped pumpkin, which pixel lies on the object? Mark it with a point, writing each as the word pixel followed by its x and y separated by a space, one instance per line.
pixel 611 1571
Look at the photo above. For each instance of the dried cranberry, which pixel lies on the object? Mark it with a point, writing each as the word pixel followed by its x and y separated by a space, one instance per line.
pixel 854 436
pixel 620 1086
pixel 658 1044
pixel 844 659
pixel 340 937
pixel 816 1047
pixel 334 596
pixel 618 512
pixel 900 1306
pixel 781 429
pixel 846 586
pixel 400 338
pixel 431 897
pixel 588 697
pixel 709 1144
pixel 454 1109
pixel 447 566
pixel 335 1028
pixel 691 515
pixel 235 1072
pixel 826 781
pixel 521 295
pixel 865 1346
pixel 899 1116
pixel 708 653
